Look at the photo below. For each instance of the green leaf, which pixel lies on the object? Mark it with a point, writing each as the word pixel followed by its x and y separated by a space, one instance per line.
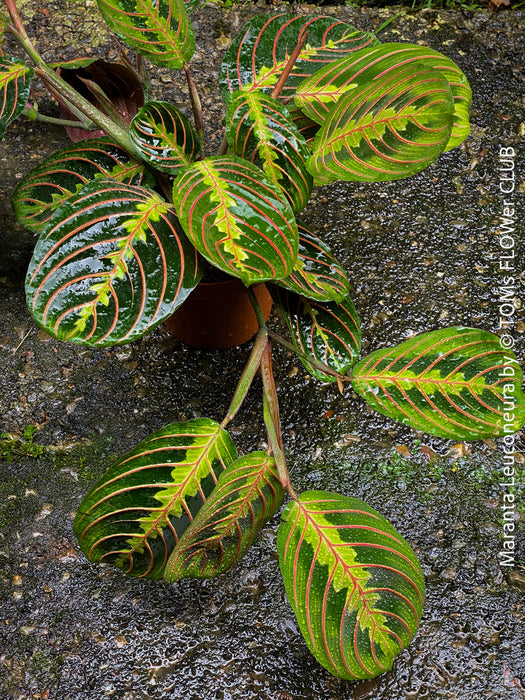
pixel 63 174
pixel 192 5
pixel 454 383
pixel 246 496
pixel 134 515
pixel 261 130
pixel 237 219
pixel 328 333
pixel 353 582
pixel 304 125
pixel 257 57
pixel 164 137
pixel 74 63
pixel 111 265
pixel 394 124
pixel 317 94
pixel 3 25
pixel 157 29
pixel 317 275
pixel 15 83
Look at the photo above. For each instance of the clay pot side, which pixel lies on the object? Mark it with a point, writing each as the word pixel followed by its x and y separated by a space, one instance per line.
pixel 219 315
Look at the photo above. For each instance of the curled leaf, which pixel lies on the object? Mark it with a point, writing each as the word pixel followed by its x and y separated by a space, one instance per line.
pixel 164 137
pixel 15 83
pixel 325 332
pixel 246 496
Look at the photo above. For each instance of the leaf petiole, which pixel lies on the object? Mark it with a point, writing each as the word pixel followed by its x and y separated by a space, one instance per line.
pixel 311 360
pixel 247 376
pixel 272 421
pixel 32 114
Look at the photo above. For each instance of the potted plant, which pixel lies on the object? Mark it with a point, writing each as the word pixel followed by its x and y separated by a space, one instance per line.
pixel 128 222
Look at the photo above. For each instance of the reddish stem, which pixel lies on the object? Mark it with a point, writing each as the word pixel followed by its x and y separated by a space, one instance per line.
pixel 289 66
pixel 195 104
pixel 18 29
pixel 272 421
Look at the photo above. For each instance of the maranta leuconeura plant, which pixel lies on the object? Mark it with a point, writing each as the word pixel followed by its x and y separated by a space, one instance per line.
pixel 127 224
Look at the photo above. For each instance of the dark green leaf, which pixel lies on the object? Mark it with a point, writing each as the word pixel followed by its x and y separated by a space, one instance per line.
pixel 157 29
pixel 61 175
pixel 353 582
pixel 164 137
pixel 317 95
pixel 455 383
pixel 328 333
pixel 246 496
pixel 134 515
pixel 394 124
pixel 15 83
pixel 260 130
pixel 111 265
pixel 317 274
pixel 304 125
pixel 258 55
pixel 192 5
pixel 237 219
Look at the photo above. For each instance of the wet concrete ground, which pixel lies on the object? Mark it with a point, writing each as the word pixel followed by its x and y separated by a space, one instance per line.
pixel 421 255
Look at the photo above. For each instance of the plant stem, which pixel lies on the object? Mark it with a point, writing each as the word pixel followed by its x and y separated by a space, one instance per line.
pixel 32 114
pixel 58 87
pixel 145 78
pixel 18 30
pixel 223 148
pixel 195 104
pixel 249 372
pixel 63 91
pixel 312 361
pixel 256 307
pixel 272 421
pixel 289 66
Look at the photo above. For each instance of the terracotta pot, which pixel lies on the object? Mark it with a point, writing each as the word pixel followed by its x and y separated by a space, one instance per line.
pixel 218 315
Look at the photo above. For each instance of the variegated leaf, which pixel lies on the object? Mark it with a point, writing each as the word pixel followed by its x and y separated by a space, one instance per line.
pixel 353 582
pixel 192 5
pixel 111 265
pixel 63 174
pixel 317 275
pixel 259 54
pixel 246 496
pixel 455 383
pixel 260 130
pixel 392 126
pixel 3 25
pixel 326 332
pixel 237 219
pixel 317 95
pixel 15 83
pixel 157 29
pixel 73 63
pixel 304 125
pixel 164 137
pixel 134 515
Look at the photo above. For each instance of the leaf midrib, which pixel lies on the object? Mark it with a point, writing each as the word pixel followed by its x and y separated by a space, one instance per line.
pixel 377 378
